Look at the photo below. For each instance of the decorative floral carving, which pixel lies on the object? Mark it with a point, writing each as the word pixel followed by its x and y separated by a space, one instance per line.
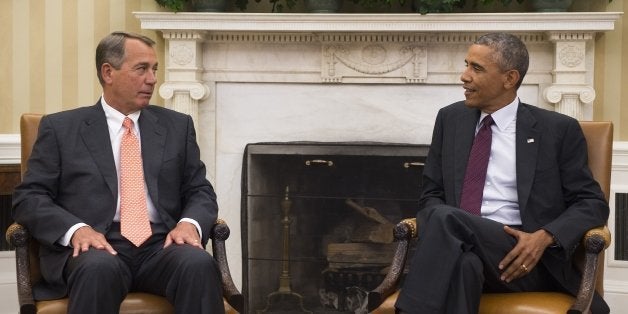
pixel 181 54
pixel 571 56
pixel 372 61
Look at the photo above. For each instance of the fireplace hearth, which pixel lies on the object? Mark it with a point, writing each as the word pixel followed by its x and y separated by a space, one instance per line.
pixel 317 221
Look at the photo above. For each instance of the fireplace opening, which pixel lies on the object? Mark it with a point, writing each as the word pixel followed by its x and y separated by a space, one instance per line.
pixel 317 221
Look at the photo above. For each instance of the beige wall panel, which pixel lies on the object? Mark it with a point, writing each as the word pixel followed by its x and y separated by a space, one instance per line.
pixel 53 40
pixel 86 91
pixel 622 105
pixel 37 57
pixel 70 56
pixel 101 29
pixel 20 61
pixel 6 60
pixel 117 15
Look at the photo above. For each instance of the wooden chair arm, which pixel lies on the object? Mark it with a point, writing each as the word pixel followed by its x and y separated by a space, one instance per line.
pixel 595 241
pixel 403 232
pixel 219 234
pixel 19 237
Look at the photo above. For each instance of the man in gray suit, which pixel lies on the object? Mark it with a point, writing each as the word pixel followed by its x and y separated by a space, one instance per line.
pixel 537 200
pixel 70 196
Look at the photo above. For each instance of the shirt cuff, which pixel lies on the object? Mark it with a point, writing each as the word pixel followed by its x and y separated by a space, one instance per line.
pixel 195 223
pixel 65 240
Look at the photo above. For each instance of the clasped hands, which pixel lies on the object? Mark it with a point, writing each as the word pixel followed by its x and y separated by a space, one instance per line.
pixel 526 253
pixel 86 237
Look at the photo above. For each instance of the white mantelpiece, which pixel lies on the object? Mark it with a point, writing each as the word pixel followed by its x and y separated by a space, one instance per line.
pixel 348 77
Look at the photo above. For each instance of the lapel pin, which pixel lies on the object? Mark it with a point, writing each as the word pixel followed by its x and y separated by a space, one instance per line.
pixel 530 140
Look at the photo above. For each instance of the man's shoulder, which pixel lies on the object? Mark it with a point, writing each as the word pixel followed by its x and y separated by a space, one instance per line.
pixel 72 114
pixel 546 116
pixel 165 115
pixel 458 106
pixel 164 112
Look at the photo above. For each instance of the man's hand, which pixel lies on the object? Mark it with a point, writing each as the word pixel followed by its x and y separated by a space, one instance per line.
pixel 525 255
pixel 184 232
pixel 85 236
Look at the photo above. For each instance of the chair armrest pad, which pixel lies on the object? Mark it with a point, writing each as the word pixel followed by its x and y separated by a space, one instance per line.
pixel 17 235
pixel 407 225
pixel 597 239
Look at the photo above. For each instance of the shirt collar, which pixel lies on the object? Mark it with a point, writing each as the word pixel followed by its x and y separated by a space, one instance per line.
pixel 115 117
pixel 504 116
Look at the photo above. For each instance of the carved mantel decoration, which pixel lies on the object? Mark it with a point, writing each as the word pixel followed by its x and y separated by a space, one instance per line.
pixel 264 77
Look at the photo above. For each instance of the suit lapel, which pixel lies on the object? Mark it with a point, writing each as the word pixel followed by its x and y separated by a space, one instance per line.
pixel 153 138
pixel 95 134
pixel 527 147
pixel 465 133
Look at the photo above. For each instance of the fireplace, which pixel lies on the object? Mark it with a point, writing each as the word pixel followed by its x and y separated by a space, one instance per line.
pixel 317 221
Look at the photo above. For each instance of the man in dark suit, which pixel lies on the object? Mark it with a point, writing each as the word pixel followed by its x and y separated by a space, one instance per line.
pixel 537 200
pixel 70 196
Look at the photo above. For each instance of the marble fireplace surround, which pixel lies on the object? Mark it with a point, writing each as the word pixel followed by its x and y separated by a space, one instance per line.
pixel 263 77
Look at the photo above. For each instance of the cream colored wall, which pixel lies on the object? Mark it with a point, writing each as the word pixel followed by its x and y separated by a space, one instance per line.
pixel 47 52
pixel 47 55
pixel 610 68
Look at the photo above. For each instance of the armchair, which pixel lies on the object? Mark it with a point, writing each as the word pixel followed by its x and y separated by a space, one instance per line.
pixel 27 262
pixel 589 258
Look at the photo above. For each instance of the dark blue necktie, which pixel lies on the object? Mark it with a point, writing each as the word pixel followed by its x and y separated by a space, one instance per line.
pixel 475 175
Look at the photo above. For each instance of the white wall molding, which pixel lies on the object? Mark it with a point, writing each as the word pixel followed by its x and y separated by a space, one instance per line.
pixel 9 149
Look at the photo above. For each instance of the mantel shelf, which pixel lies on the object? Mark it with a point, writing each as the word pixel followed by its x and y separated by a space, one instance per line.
pixel 452 22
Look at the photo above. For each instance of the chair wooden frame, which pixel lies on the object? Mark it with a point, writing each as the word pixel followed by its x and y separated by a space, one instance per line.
pixel 27 263
pixel 589 258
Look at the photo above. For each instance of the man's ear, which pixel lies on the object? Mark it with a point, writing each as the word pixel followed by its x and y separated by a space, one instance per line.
pixel 512 77
pixel 106 71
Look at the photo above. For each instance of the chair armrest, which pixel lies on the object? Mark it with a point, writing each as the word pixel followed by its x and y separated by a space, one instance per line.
pixel 595 241
pixel 220 232
pixel 18 236
pixel 403 232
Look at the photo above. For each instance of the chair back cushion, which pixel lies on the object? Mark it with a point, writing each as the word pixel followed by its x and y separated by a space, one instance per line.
pixel 29 126
pixel 599 135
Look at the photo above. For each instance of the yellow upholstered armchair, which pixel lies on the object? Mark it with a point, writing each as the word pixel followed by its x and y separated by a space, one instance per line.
pixel 27 262
pixel 589 257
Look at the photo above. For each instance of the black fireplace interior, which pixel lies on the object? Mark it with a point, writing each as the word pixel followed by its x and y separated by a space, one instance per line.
pixel 317 221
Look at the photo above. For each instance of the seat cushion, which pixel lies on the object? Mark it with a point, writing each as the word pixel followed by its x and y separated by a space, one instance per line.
pixel 526 303
pixel 511 303
pixel 134 303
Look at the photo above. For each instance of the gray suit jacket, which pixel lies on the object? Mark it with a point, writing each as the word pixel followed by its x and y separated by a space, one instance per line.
pixel 556 189
pixel 72 178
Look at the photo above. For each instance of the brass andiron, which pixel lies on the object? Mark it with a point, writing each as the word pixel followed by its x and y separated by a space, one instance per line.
pixel 284 291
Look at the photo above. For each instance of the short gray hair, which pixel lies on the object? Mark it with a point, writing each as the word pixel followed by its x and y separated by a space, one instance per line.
pixel 510 52
pixel 111 50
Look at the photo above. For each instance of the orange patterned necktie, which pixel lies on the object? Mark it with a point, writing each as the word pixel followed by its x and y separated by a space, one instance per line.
pixel 134 222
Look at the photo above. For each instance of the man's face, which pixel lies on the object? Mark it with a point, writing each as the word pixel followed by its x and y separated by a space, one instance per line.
pixel 486 86
pixel 130 88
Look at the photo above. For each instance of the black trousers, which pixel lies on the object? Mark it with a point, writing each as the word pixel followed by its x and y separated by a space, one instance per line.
pixel 187 276
pixel 456 259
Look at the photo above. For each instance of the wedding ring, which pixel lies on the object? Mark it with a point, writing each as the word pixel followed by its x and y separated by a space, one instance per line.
pixel 524 267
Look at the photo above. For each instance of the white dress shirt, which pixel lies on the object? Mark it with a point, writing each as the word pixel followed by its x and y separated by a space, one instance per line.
pixel 500 200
